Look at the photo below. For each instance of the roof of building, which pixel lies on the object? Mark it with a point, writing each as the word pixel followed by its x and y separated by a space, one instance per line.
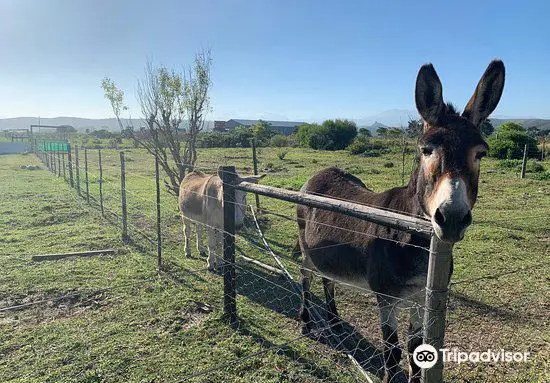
pixel 288 124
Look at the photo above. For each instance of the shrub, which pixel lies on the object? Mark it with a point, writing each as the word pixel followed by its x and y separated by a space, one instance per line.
pixel 388 165
pixel 360 145
pixel 532 166
pixel 331 135
pixel 508 142
pixel 543 176
pixel 279 140
pixel 282 154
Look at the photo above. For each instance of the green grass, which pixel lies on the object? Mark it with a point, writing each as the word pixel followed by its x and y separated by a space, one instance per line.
pixel 145 327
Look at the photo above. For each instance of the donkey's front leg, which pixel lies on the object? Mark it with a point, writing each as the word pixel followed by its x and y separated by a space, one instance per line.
pixel 392 351
pixel 415 340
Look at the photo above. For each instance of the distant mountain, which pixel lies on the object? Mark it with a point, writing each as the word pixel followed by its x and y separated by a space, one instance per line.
pixel 392 117
pixel 542 124
pixel 80 124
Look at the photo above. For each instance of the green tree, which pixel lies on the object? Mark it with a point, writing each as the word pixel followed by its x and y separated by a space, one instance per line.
pixel 364 132
pixel 382 131
pixel 508 141
pixel 340 132
pixel 486 127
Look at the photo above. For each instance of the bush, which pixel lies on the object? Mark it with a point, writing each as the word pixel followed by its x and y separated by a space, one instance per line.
pixel 388 165
pixel 282 154
pixel 509 140
pixel 543 176
pixel 331 135
pixel 279 140
pixel 360 145
pixel 532 166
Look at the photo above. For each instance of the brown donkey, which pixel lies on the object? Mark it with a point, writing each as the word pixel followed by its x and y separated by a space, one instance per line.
pixel 443 188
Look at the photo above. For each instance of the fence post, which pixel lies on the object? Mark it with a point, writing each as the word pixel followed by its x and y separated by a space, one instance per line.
pixel 228 176
pixel 159 237
pixel 70 160
pixel 100 184
pixel 255 165
pixel 524 162
pixel 54 163
pixel 64 167
pixel 403 163
pixel 86 175
pixel 58 162
pixel 439 267
pixel 77 169
pixel 123 198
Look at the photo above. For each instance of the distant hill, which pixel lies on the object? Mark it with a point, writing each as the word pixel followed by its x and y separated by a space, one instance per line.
pixel 80 124
pixel 388 118
pixel 542 124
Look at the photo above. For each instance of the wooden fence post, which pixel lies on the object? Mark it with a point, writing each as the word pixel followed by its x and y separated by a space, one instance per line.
pixel 77 169
pixel 403 163
pixel 54 163
pixel 70 161
pixel 159 236
pixel 123 198
pixel 86 175
pixel 64 167
pixel 100 184
pixel 524 162
pixel 228 176
pixel 439 268
pixel 255 165
pixel 58 162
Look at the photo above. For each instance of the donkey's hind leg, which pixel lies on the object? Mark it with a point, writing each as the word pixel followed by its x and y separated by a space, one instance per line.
pixel 199 228
pixel 328 286
pixel 187 236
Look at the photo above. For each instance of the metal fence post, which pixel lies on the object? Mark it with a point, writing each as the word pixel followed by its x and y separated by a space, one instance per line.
pixel 439 268
pixel 70 160
pixel 255 164
pixel 524 162
pixel 100 184
pixel 86 175
pixel 123 198
pixel 77 169
pixel 159 236
pixel 228 176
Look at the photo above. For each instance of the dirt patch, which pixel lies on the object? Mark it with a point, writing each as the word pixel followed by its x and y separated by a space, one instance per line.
pixel 43 307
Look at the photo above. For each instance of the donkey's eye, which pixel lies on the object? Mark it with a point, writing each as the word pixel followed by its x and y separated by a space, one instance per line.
pixel 480 155
pixel 426 150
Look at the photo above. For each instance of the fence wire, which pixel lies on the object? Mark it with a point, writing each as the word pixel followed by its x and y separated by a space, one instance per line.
pixel 346 347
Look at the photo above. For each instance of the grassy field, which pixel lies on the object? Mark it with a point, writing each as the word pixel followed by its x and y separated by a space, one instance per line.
pixel 124 322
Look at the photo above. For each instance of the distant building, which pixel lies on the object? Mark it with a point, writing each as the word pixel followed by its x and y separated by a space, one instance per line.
pixel 283 127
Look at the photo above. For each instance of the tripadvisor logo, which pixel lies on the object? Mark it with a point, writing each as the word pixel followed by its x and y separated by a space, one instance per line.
pixel 426 356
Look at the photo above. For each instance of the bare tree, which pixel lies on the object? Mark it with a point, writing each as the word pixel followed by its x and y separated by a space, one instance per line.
pixel 167 98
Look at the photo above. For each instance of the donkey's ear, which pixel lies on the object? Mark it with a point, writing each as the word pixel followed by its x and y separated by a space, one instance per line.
pixel 429 95
pixel 487 93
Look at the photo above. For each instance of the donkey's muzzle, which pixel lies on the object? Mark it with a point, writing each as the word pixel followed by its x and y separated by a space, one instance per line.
pixel 451 221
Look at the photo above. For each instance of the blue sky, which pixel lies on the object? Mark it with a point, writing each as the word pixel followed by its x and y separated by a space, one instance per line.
pixel 305 60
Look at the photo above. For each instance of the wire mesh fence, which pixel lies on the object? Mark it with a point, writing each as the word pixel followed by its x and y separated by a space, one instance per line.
pixel 346 347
